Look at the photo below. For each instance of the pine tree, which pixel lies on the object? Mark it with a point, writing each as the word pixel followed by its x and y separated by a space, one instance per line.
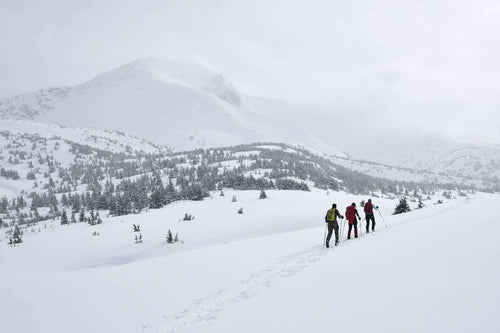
pixel 402 207
pixel 262 195
pixel 64 217
pixel 420 203
pixel 170 238
pixel 16 236
pixel 234 199
pixel 81 218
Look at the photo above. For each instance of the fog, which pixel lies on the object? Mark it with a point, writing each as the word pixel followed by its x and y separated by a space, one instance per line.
pixel 413 65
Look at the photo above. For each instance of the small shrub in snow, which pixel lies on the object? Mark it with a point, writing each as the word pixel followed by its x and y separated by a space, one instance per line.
pixel 402 207
pixel 170 238
pixel 439 202
pixel 234 199
pixel 262 195
pixel 221 193
pixel 138 239
pixel 240 211
pixel 188 217
pixel 136 227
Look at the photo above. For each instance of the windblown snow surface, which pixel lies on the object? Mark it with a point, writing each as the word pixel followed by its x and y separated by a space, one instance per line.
pixel 434 269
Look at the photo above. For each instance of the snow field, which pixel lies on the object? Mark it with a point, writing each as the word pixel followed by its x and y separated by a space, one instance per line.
pixel 265 270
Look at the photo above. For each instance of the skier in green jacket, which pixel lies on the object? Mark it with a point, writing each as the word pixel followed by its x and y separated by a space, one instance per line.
pixel 331 219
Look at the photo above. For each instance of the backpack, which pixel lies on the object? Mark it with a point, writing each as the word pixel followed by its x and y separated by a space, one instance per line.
pixel 330 215
pixel 368 208
pixel 349 213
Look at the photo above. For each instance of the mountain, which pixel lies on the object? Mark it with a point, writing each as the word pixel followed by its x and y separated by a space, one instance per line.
pixel 476 165
pixel 182 105
pixel 186 106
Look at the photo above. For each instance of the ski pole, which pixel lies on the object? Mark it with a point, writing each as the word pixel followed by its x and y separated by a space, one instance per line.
pixel 378 209
pixel 324 240
pixel 342 228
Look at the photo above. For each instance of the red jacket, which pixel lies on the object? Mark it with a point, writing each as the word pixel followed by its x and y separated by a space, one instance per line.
pixel 368 208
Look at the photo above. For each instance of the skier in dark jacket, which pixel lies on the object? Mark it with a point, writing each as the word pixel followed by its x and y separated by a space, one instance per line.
pixel 369 215
pixel 351 213
pixel 331 219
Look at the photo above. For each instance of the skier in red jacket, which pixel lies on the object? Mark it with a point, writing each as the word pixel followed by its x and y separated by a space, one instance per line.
pixel 350 214
pixel 369 215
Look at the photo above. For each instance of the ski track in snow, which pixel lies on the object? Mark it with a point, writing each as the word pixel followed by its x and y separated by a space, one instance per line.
pixel 207 308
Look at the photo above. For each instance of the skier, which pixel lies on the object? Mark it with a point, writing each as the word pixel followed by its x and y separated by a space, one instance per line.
pixel 351 213
pixel 369 215
pixel 331 219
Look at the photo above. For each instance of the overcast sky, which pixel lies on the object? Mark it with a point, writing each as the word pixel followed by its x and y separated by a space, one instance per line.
pixel 434 64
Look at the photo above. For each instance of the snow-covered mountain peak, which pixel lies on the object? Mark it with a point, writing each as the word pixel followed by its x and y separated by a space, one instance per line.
pixel 185 74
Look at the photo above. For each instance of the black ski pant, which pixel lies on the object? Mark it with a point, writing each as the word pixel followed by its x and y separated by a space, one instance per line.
pixel 368 218
pixel 355 224
pixel 333 225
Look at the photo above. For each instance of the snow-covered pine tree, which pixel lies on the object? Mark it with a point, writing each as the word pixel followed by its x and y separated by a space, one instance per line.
pixel 402 207
pixel 16 237
pixel 64 217
pixel 420 203
pixel 170 238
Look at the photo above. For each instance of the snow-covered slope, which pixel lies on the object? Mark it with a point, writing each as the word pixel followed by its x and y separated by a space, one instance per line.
pixel 465 161
pixel 453 164
pixel 27 146
pixel 430 270
pixel 182 105
pixel 101 139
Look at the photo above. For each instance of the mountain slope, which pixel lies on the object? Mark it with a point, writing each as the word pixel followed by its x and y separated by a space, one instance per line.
pixel 182 105
pixel 187 106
